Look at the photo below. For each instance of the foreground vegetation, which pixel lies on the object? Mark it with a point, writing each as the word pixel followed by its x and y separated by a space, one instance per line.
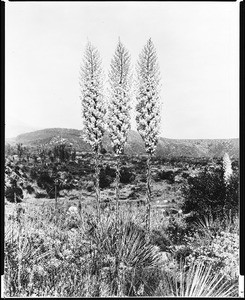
pixel 61 250
pixel 52 252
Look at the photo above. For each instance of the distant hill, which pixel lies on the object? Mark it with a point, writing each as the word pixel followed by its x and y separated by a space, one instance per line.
pixel 14 126
pixel 166 147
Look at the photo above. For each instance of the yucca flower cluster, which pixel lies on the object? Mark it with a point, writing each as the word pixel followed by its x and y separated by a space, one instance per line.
pixel 148 109
pixel 119 116
pixel 148 105
pixel 119 107
pixel 227 167
pixel 93 110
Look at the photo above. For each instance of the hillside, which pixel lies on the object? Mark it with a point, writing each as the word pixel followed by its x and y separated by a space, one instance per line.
pixel 166 147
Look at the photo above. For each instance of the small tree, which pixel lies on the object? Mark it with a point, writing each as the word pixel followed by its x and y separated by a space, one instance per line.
pixel 93 110
pixel 119 117
pixel 20 150
pixel 148 108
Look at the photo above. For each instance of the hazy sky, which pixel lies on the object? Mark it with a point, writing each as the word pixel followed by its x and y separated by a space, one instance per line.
pixel 197 46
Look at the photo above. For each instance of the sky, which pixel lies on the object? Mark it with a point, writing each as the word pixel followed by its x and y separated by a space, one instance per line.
pixel 197 46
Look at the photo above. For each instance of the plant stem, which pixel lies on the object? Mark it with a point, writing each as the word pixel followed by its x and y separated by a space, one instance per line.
pixel 97 182
pixel 55 189
pixel 19 250
pixel 148 200
pixel 117 186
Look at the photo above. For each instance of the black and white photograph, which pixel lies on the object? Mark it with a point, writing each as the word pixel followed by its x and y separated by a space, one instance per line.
pixel 121 174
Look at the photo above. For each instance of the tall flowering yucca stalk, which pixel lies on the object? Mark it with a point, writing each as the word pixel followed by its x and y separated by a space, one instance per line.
pixel 227 168
pixel 93 110
pixel 148 109
pixel 119 116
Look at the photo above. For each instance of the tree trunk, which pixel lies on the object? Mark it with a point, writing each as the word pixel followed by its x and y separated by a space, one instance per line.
pixel 97 183
pixel 148 200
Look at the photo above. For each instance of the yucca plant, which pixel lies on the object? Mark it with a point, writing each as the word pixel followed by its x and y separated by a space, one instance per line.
pixel 227 168
pixel 119 106
pixel 93 110
pixel 122 255
pixel 148 108
pixel 198 280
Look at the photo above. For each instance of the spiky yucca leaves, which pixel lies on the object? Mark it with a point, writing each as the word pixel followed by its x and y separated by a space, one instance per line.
pixel 197 281
pixel 123 257
pixel 148 108
pixel 119 107
pixel 227 168
pixel 93 110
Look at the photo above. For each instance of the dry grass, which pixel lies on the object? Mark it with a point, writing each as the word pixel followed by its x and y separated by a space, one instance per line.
pixel 49 252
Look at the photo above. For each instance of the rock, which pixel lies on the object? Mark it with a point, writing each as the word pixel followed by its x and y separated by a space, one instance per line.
pixel 177 178
pixel 73 210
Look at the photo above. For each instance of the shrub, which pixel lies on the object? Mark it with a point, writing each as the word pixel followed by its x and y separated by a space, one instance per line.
pixel 110 171
pixel 30 189
pixel 176 229
pixel 106 176
pixel 46 182
pixel 126 175
pixel 14 193
pixel 167 175
pixel 207 193
pixel 221 251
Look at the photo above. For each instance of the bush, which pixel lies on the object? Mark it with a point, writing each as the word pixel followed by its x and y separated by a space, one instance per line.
pixel 166 175
pixel 12 191
pixel 106 177
pixel 110 171
pixel 221 251
pixel 126 175
pixel 208 194
pixel 30 189
pixel 46 182
pixel 176 229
